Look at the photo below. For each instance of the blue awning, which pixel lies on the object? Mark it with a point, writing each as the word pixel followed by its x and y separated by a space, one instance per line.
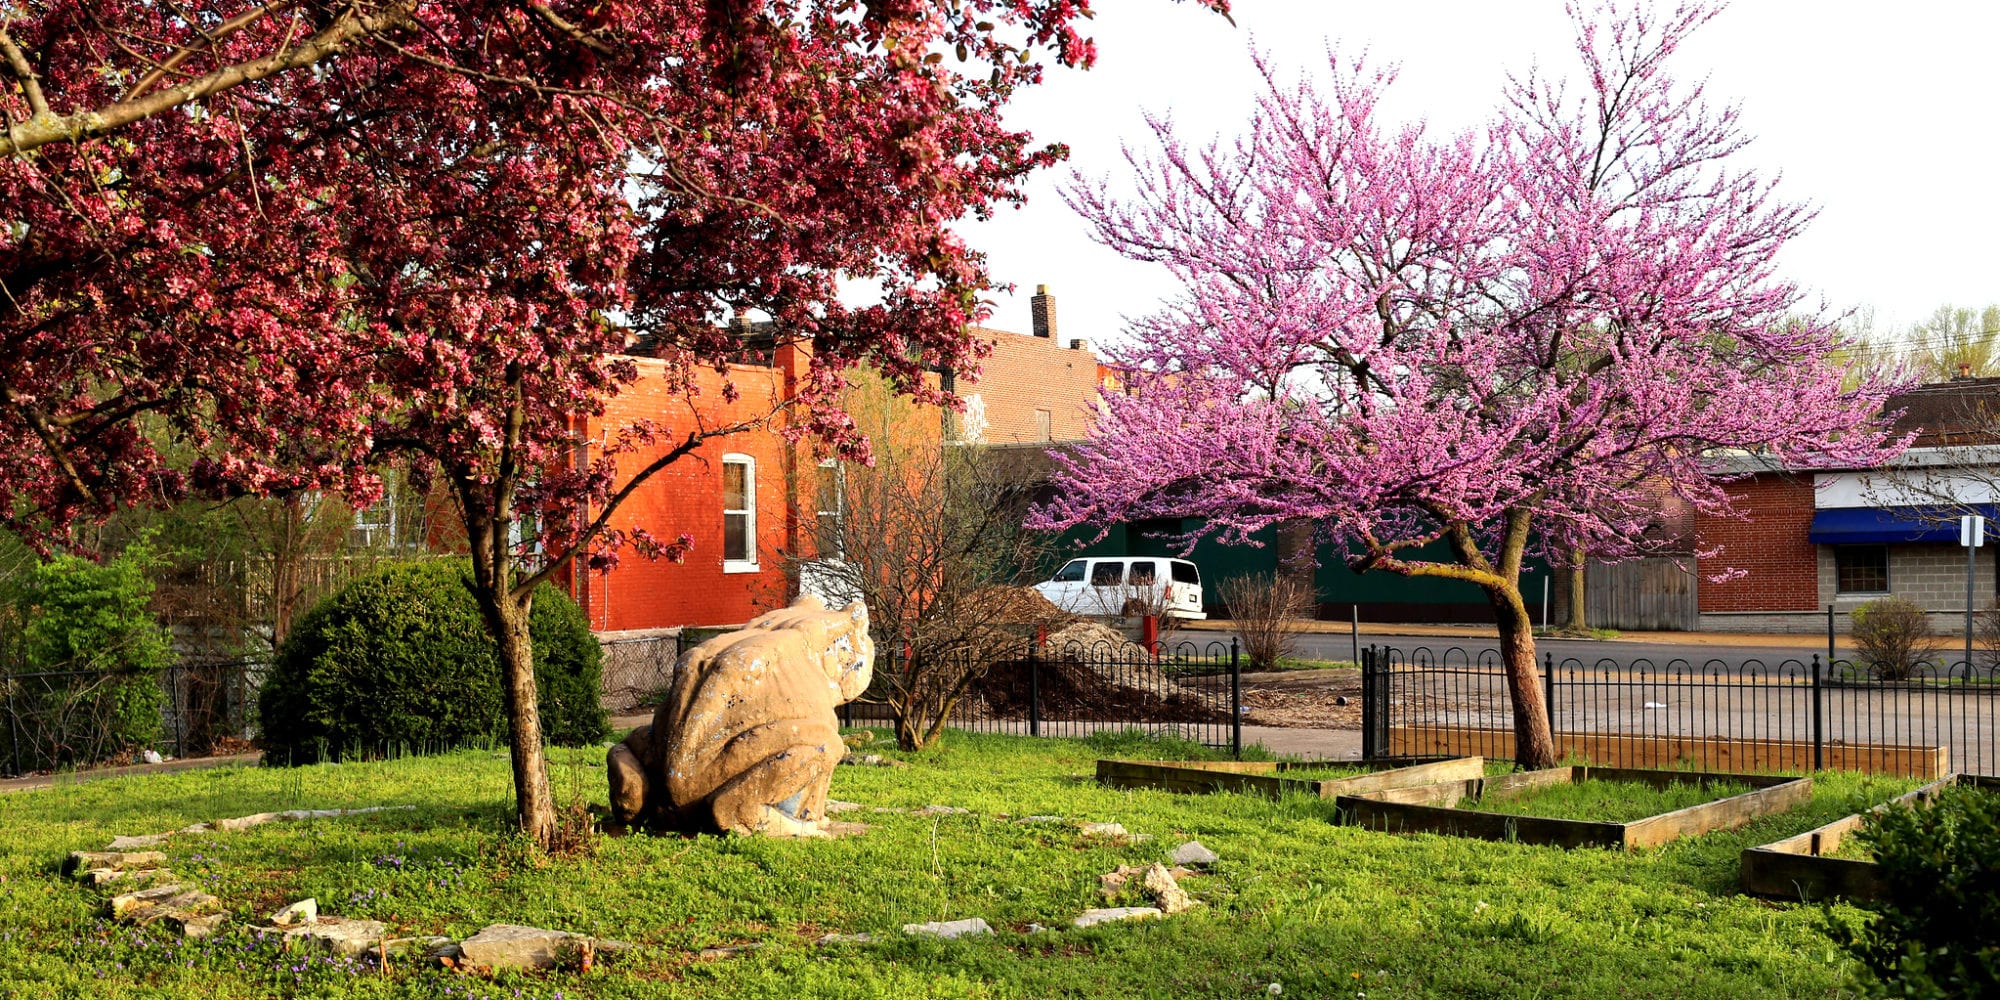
pixel 1877 525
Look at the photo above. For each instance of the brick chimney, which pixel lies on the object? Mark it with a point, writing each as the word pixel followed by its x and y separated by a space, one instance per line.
pixel 1043 305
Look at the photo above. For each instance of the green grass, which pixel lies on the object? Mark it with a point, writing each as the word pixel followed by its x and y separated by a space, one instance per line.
pixel 1329 911
pixel 1300 663
pixel 1606 801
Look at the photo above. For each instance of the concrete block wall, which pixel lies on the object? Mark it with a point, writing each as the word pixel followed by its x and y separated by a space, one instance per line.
pixel 1931 575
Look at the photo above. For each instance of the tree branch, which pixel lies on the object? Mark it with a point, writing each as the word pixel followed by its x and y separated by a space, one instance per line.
pixel 17 62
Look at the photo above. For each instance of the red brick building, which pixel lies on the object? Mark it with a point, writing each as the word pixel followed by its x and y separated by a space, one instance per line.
pixel 1843 537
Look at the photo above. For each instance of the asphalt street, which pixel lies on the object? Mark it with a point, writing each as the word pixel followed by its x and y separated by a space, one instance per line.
pixel 1583 652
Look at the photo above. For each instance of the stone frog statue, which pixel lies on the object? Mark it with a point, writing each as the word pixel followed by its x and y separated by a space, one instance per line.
pixel 746 740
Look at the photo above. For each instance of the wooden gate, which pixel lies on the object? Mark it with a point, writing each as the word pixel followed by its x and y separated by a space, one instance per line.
pixel 1641 594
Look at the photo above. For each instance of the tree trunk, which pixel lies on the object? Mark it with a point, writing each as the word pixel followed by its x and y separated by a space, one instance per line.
pixel 534 804
pixel 1572 584
pixel 1534 743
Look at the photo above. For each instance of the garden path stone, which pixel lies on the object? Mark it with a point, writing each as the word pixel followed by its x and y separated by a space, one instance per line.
pixel 196 925
pixel 1113 914
pixel 1103 829
pixel 1043 819
pixel 305 911
pixel 726 951
pixel 128 843
pixel 106 876
pixel 85 860
pixel 837 806
pixel 514 946
pixel 342 935
pixel 127 903
pixel 949 929
pixel 1192 853
pixel 938 810
pixel 825 939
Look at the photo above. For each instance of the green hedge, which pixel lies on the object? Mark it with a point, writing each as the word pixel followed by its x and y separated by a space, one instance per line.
pixel 1937 935
pixel 400 662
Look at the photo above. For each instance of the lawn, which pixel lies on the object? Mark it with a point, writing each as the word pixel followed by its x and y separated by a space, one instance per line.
pixel 1328 911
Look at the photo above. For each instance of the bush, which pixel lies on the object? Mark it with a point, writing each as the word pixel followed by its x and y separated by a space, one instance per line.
pixel 88 629
pixel 1267 608
pixel 400 661
pixel 1894 635
pixel 1937 934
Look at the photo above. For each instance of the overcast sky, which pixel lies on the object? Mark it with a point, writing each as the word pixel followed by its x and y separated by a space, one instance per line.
pixel 1883 116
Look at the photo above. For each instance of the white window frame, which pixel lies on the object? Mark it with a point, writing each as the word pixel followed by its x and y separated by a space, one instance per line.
pixel 836 519
pixel 749 511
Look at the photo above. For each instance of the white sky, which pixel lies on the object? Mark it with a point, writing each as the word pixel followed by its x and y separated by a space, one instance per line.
pixel 1885 116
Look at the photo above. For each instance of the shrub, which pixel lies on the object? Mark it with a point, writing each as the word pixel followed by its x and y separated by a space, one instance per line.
pixel 1894 635
pixel 1266 608
pixel 88 629
pixel 1937 934
pixel 400 661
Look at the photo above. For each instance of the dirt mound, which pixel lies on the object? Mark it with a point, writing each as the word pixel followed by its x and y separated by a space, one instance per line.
pixel 1017 606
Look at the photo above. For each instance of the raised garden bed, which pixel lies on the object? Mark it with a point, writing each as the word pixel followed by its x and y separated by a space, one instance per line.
pixel 1821 864
pixel 1435 808
pixel 1272 779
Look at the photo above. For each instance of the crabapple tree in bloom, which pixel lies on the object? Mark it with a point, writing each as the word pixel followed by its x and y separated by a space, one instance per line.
pixel 301 240
pixel 1517 338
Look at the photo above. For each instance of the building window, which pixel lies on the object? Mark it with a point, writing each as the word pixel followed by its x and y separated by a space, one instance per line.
pixel 1861 569
pixel 739 514
pixel 1043 426
pixel 830 505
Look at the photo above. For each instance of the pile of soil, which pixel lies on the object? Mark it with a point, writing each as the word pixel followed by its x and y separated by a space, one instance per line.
pixel 1018 606
pixel 1087 692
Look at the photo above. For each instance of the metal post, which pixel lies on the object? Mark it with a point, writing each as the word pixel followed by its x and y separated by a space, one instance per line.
pixel 1549 689
pixel 1235 701
pixel 1545 600
pixel 1818 719
pixel 1034 694
pixel 13 721
pixel 1830 657
pixel 1368 706
pixel 1354 631
pixel 1970 551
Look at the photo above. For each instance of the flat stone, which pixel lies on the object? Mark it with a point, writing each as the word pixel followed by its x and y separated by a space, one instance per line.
pixel 1043 819
pixel 341 935
pixel 949 929
pixel 888 809
pixel 837 806
pixel 305 911
pixel 1113 914
pixel 259 819
pixel 825 939
pixel 514 946
pixel 1103 829
pixel 141 876
pixel 130 902
pixel 197 926
pixel 147 840
pixel 727 951
pixel 838 829
pixel 429 945
pixel 1192 853
pixel 195 828
pixel 85 860
pixel 938 810
pixel 180 909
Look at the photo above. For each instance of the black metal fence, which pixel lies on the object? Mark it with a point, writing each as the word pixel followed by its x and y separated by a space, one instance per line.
pixel 1190 689
pixel 72 718
pixel 1785 714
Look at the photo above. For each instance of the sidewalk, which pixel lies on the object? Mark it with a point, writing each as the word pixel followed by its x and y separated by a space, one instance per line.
pixel 1756 640
pixel 36 781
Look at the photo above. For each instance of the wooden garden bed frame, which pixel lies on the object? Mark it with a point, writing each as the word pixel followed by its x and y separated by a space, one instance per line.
pixel 1267 778
pixel 1797 868
pixel 1430 809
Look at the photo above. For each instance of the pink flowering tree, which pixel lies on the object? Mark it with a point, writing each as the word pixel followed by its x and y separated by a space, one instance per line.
pixel 302 241
pixel 1511 340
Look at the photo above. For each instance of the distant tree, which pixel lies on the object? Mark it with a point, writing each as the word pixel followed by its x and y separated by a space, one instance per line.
pixel 1507 338
pixel 1956 341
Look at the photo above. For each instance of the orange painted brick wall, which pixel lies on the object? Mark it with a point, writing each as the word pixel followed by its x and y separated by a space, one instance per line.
pixel 687 497
pixel 1782 568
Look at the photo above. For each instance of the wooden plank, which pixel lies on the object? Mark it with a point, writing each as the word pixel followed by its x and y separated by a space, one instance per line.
pixel 1396 817
pixel 1796 867
pixel 1722 814
pixel 1197 777
pixel 1643 750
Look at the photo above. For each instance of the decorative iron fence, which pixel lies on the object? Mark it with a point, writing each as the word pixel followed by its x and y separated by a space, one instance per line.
pixel 73 718
pixel 1190 689
pixel 1782 715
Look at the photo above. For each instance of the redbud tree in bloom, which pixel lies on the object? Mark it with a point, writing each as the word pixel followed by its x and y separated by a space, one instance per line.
pixel 304 240
pixel 1513 339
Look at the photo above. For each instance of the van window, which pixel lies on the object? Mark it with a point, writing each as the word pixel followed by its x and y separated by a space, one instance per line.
pixel 1184 572
pixel 1107 574
pixel 1072 572
pixel 1143 574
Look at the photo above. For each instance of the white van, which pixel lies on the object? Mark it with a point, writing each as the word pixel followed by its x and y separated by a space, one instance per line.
pixel 1126 585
